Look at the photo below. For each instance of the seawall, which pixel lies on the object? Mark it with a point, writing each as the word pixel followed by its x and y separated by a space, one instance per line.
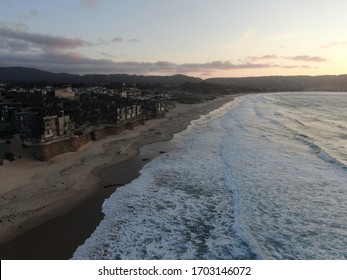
pixel 46 151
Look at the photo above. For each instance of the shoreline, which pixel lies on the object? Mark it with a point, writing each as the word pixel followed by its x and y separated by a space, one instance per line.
pixel 55 233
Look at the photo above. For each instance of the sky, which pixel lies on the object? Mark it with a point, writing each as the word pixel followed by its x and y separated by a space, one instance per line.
pixel 201 38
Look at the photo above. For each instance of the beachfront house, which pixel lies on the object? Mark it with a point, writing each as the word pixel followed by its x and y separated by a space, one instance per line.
pixel 7 113
pixel 153 108
pixel 128 113
pixel 49 128
pixel 56 127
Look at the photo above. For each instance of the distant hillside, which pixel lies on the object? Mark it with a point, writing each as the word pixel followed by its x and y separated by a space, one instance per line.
pixel 31 75
pixel 175 80
pixel 283 83
pixel 28 75
pixel 255 84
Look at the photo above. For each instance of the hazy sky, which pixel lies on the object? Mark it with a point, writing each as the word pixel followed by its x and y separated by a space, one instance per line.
pixel 203 38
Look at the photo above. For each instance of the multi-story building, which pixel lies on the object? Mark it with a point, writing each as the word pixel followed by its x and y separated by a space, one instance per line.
pixel 7 116
pixel 128 113
pixel 56 127
pixel 27 123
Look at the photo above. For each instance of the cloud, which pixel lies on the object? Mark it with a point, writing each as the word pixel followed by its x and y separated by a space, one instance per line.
pixel 297 66
pixel 268 57
pixel 102 42
pixel 307 58
pixel 19 47
pixel 134 40
pixel 89 4
pixel 33 14
pixel 335 44
pixel 18 26
pixel 106 54
pixel 75 62
pixel 220 65
pixel 247 34
pixel 15 46
pixel 10 35
pixel 117 39
pixel 264 57
pixel 72 62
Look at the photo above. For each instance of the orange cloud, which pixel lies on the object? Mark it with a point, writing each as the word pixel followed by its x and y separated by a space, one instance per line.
pixel 264 57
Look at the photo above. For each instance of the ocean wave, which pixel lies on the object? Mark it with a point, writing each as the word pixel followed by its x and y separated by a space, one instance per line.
pixel 238 187
pixel 177 209
pixel 288 202
pixel 319 151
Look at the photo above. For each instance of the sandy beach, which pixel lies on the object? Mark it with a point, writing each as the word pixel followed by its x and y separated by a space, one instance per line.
pixel 47 209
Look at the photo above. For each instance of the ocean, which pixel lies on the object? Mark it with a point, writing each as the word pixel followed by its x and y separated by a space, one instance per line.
pixel 264 177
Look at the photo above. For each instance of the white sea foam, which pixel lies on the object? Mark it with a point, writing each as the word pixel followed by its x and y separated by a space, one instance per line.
pixel 292 203
pixel 243 184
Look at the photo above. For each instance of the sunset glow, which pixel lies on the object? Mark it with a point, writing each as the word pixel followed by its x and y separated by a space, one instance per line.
pixel 201 38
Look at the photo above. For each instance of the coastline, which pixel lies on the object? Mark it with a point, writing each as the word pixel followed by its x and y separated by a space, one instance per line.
pixel 54 223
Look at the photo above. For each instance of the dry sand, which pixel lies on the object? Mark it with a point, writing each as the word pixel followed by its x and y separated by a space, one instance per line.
pixel 33 192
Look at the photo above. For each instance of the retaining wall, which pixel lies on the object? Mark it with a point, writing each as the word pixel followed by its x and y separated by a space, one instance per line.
pixel 46 151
